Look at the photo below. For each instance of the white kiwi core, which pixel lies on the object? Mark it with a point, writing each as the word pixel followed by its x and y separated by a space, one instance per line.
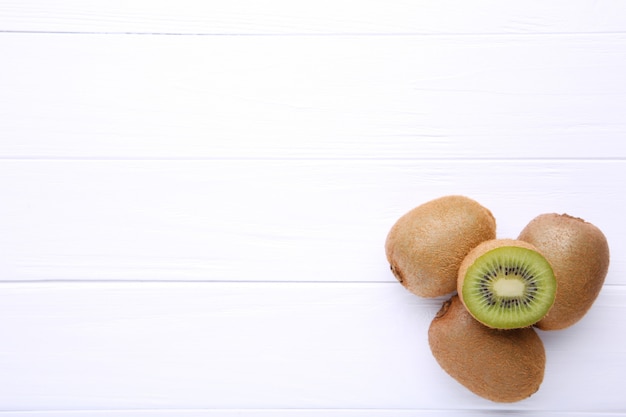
pixel 509 287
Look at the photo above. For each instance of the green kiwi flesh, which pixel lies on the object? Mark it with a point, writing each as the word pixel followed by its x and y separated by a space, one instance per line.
pixel 507 284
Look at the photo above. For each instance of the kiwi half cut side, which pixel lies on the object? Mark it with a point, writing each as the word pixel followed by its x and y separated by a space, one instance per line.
pixel 506 284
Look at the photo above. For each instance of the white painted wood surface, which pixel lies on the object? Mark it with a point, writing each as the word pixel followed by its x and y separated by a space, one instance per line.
pixel 194 197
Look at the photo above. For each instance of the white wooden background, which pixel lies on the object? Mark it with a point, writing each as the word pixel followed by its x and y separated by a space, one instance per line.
pixel 194 197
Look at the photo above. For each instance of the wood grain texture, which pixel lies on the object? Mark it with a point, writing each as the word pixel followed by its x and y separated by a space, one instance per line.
pixel 288 412
pixel 267 220
pixel 322 17
pixel 475 97
pixel 283 345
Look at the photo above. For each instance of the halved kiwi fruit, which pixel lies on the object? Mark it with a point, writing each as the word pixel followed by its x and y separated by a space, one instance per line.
pixel 506 284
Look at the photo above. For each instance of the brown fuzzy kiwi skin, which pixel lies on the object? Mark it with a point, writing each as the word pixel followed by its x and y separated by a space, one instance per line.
pixel 425 246
pixel 503 366
pixel 479 251
pixel 579 254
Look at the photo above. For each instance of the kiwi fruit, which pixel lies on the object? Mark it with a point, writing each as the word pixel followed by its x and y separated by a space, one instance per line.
pixel 426 245
pixel 499 365
pixel 506 284
pixel 579 254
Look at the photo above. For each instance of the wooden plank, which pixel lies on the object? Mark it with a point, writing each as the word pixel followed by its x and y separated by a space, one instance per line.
pixel 196 346
pixel 321 17
pixel 268 220
pixel 287 412
pixel 424 97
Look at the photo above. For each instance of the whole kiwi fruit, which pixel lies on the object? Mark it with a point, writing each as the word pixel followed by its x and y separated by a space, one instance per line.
pixel 579 253
pixel 499 365
pixel 426 245
pixel 506 284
